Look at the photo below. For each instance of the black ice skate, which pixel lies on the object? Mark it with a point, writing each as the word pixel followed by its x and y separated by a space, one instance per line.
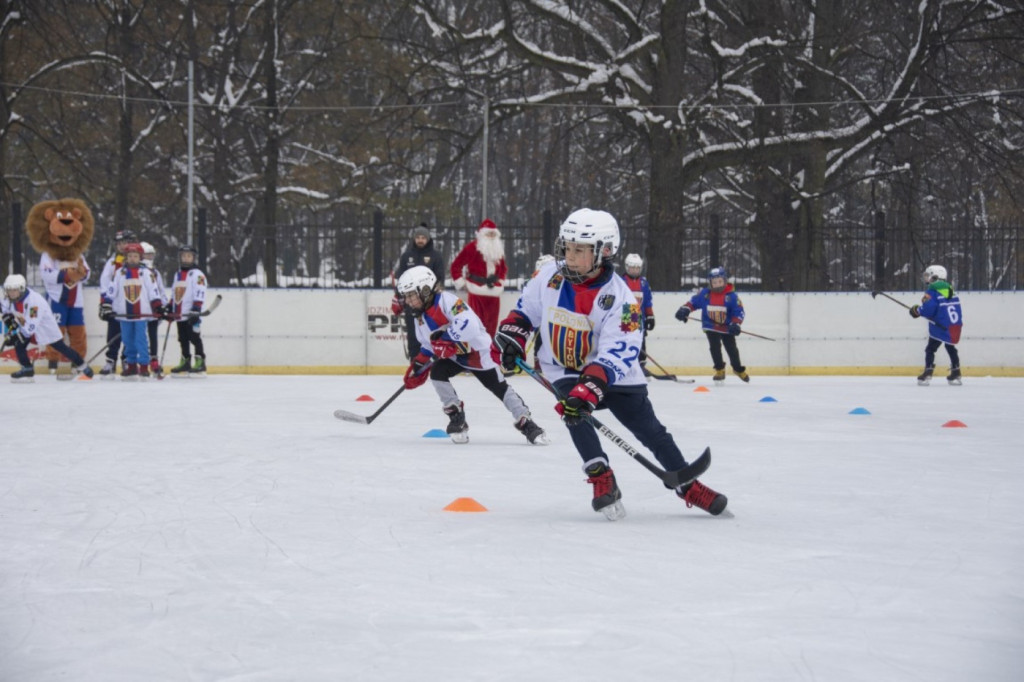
pixel 457 427
pixel 533 433
pixel 954 377
pixel 25 375
pixel 697 494
pixel 926 376
pixel 607 496
pixel 182 368
pixel 108 369
pixel 83 372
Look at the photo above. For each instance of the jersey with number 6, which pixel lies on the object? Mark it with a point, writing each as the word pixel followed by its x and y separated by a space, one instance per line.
pixel 598 321
pixel 941 307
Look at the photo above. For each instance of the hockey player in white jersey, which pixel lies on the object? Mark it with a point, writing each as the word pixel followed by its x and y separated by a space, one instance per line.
pixel 187 304
pixel 591 328
pixel 121 239
pixel 153 326
pixel 134 300
pixel 454 340
pixel 27 317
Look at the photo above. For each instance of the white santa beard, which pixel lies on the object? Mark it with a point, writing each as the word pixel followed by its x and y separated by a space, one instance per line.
pixel 493 250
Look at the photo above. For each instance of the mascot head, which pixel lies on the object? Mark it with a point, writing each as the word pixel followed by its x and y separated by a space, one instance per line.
pixel 62 228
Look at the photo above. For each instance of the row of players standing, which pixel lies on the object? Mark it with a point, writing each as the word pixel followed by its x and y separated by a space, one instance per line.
pixel 589 328
pixel 134 300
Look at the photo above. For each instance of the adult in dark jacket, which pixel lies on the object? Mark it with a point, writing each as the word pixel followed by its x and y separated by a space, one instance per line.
pixel 420 251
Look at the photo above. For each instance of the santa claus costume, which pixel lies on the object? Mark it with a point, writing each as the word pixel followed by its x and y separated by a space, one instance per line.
pixel 480 269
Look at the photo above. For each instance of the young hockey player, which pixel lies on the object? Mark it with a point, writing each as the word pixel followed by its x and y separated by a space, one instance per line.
pixel 941 307
pixel 637 283
pixel 27 317
pixel 121 239
pixel 187 305
pixel 721 317
pixel 153 326
pixel 592 329
pixel 134 299
pixel 453 338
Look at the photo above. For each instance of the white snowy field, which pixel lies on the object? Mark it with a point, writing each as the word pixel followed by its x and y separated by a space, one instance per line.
pixel 232 529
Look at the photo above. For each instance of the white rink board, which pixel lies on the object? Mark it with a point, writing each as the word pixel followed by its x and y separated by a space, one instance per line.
pixel 312 330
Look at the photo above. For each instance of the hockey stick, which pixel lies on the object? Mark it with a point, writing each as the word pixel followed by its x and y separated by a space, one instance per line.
pixel 876 294
pixel 113 339
pixel 344 415
pixel 671 479
pixel 178 318
pixel 667 375
pixel 744 331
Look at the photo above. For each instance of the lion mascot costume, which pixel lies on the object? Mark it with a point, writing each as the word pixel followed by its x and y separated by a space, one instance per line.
pixel 61 231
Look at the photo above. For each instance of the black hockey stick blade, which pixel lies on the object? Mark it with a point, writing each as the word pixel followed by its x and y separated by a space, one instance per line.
pixel 690 472
pixel 344 415
pixel 213 306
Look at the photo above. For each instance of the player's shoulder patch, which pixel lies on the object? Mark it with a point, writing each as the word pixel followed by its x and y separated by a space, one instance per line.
pixel 556 280
pixel 632 319
pixel 201 280
pixel 33 312
pixel 458 307
pixel 606 301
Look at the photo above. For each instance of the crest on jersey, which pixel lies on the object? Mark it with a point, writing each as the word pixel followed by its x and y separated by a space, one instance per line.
pixel 632 319
pixel 33 312
pixel 606 301
pixel 555 281
pixel 571 337
pixel 132 291
pixel 201 281
pixel 717 314
pixel 458 307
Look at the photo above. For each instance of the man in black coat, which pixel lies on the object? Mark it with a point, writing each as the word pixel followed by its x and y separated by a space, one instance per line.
pixel 420 251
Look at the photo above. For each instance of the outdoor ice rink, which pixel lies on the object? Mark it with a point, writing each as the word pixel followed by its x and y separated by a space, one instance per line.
pixel 231 529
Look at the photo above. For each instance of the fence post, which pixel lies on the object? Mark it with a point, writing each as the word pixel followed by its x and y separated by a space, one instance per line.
pixel 546 234
pixel 880 283
pixel 715 242
pixel 201 238
pixel 17 255
pixel 378 248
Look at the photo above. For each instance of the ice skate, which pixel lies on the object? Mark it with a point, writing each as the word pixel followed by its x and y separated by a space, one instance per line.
pixel 954 377
pixel 130 372
pixel 457 427
pixel 926 376
pixel 83 372
pixel 719 376
pixel 697 494
pixel 744 377
pixel 25 375
pixel 181 369
pixel 198 368
pixel 107 371
pixel 143 371
pixel 533 433
pixel 155 369
pixel 607 496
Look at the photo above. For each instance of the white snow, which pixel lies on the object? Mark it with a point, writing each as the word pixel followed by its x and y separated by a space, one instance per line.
pixel 231 528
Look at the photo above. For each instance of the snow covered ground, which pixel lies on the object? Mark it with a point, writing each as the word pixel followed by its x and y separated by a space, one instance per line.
pixel 232 529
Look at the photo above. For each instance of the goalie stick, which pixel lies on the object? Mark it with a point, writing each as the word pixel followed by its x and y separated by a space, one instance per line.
pixel 671 479
pixel 347 416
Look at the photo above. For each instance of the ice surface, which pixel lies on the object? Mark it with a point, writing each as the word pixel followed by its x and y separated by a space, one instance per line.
pixel 232 529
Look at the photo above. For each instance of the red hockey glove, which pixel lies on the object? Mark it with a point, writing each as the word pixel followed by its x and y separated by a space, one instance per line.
pixel 510 341
pixel 444 349
pixel 418 372
pixel 396 305
pixel 582 399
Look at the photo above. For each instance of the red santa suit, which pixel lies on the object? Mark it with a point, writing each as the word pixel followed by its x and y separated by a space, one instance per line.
pixel 480 269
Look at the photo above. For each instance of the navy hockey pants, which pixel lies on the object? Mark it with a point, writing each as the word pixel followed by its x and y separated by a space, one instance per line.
pixel 631 406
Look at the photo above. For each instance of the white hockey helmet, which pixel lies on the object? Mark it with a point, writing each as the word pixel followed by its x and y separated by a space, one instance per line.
pixel 634 264
pixel 15 284
pixel 421 280
pixel 148 253
pixel 587 226
pixel 543 260
pixel 933 273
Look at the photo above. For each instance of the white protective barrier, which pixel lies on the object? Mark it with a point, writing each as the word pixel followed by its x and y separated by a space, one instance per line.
pixel 305 331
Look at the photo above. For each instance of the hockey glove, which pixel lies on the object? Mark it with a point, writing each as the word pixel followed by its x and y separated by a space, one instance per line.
pixel 10 322
pixel 582 399
pixel 511 339
pixel 491 281
pixel 396 305
pixel 158 310
pixel 444 349
pixel 683 314
pixel 193 315
pixel 418 372
pixel 734 329
pixel 649 323
pixel 915 311
pixel 106 312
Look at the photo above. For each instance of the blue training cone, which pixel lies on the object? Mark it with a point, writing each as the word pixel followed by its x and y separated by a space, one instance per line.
pixel 435 433
pixel 859 410
pixel 767 399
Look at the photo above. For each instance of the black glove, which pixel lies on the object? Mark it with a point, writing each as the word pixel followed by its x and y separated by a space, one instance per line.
pixel 649 323
pixel 915 311
pixel 10 320
pixel 491 281
pixel 11 335
pixel 510 341
pixel 106 312
pixel 734 329
pixel 683 314
pixel 192 315
pixel 582 399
